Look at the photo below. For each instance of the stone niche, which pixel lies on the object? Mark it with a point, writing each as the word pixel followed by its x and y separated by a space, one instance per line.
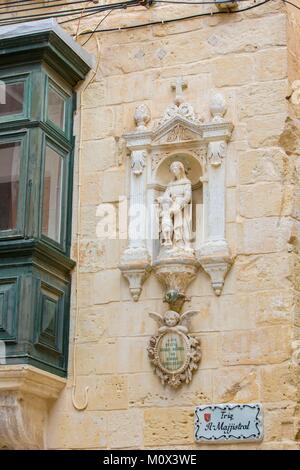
pixel 177 198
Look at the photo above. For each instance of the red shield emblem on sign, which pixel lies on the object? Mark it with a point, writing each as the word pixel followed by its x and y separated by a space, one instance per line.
pixel 207 417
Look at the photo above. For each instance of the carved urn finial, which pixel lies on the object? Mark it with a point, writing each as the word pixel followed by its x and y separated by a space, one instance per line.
pixel 179 86
pixel 218 107
pixel 142 116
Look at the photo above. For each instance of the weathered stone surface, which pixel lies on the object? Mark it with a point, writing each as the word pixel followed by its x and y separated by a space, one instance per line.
pixel 92 324
pixel 279 422
pixel 208 317
pixel 232 70
pixel 98 125
pixel 75 430
pixel 98 254
pixel 145 390
pixel 271 64
pixel 168 426
pixel 123 89
pixel 89 220
pixel 262 98
pixel 261 165
pixel 210 350
pixel 266 345
pixel 91 184
pixel 264 131
pixel 231 208
pixel 94 94
pixel 273 307
pixel 96 358
pixel 99 155
pixel 254 203
pixel 131 355
pixel 266 234
pixel 278 383
pixel 236 385
pixel 290 137
pixel 125 429
pixel 85 290
pixel 262 272
pixel 249 35
pixel 106 392
pixel 107 286
pixel 113 185
pixel 244 317
pixel 131 319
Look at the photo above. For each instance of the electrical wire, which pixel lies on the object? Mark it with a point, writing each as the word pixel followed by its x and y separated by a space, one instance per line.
pixel 90 14
pixel 181 2
pixel 82 13
pixel 77 11
pixel 173 20
pixel 290 3
pixel 55 4
pixel 81 91
pixel 131 3
pixel 164 21
pixel 97 26
pixel 16 2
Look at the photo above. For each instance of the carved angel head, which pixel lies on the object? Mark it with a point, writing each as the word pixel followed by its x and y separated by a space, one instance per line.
pixel 171 318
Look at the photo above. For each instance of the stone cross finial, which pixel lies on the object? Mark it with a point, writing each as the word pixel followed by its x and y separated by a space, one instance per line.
pixel 179 86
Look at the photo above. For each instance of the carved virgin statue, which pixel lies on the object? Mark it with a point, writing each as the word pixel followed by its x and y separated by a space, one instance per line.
pixel 176 211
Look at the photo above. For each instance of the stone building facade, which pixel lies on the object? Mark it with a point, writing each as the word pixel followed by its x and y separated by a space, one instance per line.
pixel 249 332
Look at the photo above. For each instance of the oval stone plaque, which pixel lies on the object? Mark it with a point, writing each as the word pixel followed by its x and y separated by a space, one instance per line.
pixel 172 352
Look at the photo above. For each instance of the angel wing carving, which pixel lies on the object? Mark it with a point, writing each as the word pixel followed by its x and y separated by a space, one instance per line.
pixel 186 316
pixel 157 317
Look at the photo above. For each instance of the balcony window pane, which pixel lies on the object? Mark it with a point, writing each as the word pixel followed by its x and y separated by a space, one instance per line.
pixel 11 98
pixel 10 154
pixel 56 108
pixel 52 197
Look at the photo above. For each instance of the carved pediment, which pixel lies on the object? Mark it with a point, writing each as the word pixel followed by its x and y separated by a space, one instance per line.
pixel 177 130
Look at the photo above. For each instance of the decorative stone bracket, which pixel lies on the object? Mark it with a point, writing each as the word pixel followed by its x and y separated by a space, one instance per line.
pixel 26 393
pixel 179 135
pixel 136 274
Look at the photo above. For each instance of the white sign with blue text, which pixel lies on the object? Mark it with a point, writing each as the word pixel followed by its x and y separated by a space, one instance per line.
pixel 228 423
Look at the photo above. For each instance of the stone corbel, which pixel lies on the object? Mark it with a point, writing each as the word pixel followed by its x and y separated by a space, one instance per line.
pixel 136 276
pixel 135 262
pixel 175 275
pixel 214 254
pixel 26 393
pixel 215 259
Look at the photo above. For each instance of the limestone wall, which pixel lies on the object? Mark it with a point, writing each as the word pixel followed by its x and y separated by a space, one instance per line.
pixel 248 332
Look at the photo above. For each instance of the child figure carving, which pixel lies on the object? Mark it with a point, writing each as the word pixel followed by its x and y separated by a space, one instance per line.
pixel 166 221
pixel 176 211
